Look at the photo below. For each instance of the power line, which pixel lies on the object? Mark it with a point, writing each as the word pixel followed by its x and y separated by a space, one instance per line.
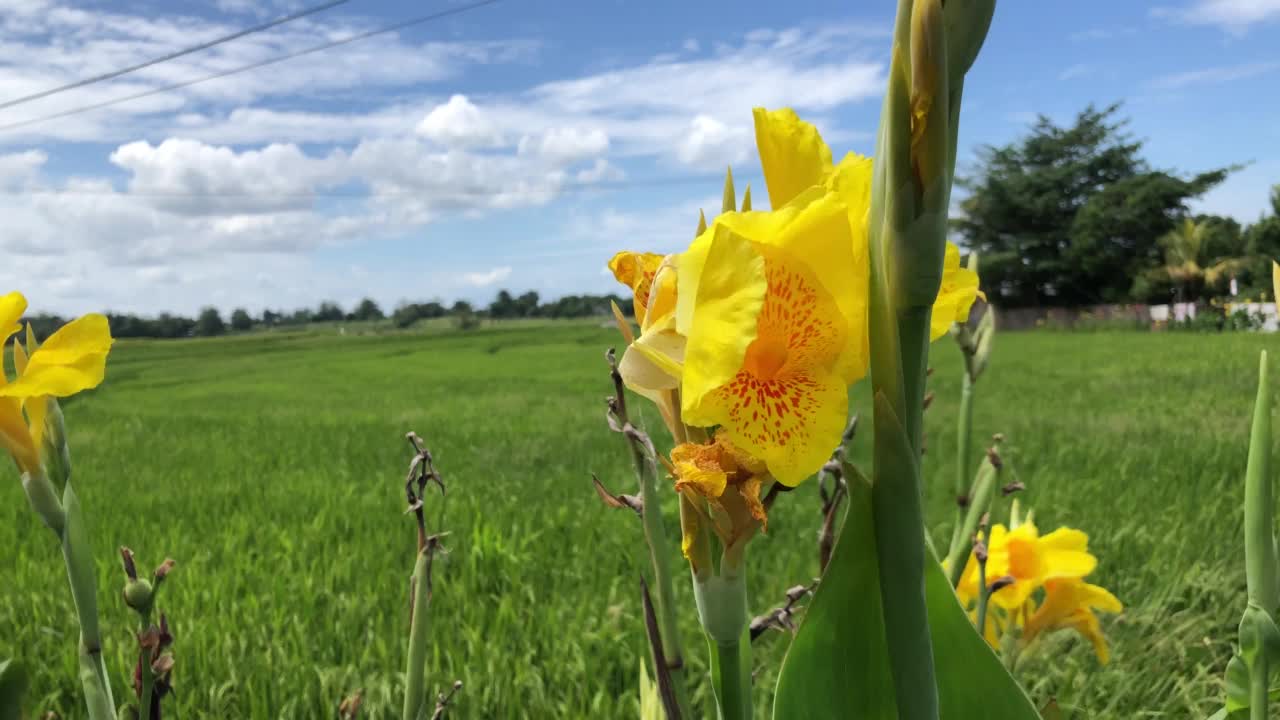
pixel 253 66
pixel 711 181
pixel 171 56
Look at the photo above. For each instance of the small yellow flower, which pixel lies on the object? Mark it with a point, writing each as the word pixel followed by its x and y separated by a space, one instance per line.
pixel 1069 603
pixel 1029 560
pixel 955 296
pixel 729 479
pixel 73 359
pixel 652 363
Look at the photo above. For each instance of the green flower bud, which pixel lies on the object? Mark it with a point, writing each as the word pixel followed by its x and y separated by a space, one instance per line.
pixel 138 595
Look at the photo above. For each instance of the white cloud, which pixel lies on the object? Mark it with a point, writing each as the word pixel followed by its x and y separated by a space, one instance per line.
pixel 227 192
pixel 1214 75
pixel 459 123
pixel 566 144
pixel 1232 15
pixel 191 178
pixel 711 143
pixel 487 278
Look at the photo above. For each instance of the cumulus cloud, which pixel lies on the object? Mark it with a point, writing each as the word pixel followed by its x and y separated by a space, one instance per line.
pixel 712 143
pixel 565 144
pixel 459 123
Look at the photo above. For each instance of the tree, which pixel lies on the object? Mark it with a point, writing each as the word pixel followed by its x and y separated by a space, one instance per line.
pixel 209 323
pixel 241 320
pixel 503 306
pixel 1120 234
pixel 527 304
pixel 328 312
pixel 367 310
pixel 271 317
pixel 1039 212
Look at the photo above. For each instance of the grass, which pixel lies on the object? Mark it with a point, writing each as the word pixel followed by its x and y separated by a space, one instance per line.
pixel 271 468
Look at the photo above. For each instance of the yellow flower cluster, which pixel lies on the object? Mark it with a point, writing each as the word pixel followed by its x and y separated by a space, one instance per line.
pixel 1021 562
pixel 73 359
pixel 760 326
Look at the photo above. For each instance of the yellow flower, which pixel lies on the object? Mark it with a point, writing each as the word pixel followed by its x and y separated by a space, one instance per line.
pixel 729 480
pixel 651 364
pixel 1029 560
pixel 955 296
pixel 1069 603
pixel 767 305
pixel 774 305
pixel 73 359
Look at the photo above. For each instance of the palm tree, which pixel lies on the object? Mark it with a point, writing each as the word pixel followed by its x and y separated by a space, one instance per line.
pixel 1184 260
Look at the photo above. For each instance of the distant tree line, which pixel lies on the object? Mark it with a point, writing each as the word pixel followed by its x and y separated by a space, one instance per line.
pixel 1073 215
pixel 209 322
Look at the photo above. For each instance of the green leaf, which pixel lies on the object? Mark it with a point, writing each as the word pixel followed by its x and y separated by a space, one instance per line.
pixel 1237 684
pixel 13 684
pixel 837 666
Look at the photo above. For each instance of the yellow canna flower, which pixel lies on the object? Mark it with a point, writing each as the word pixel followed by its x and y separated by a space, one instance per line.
pixel 651 364
pixel 1029 560
pixel 729 480
pixel 73 359
pixel 768 306
pixel 955 296
pixel 1069 603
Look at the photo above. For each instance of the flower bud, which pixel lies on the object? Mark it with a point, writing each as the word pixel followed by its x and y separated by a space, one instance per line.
pixel 138 595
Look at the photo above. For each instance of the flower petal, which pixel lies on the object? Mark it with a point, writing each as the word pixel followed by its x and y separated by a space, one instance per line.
pixel 15 437
pixel 73 359
pixel 729 285
pixel 814 230
pixel 636 271
pixel 792 154
pixel 12 308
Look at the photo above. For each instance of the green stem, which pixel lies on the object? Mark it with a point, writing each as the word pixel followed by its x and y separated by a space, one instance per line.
pixel 1259 687
pixel 963 444
pixel 984 597
pixel 731 669
pixel 1259 508
pixel 656 538
pixel 415 695
pixel 979 503
pixel 722 610
pixel 147 674
pixel 78 559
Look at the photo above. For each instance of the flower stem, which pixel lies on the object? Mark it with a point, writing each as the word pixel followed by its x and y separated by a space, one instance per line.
pixel 78 559
pixel 415 695
pixel 731 670
pixel 1259 688
pixel 979 503
pixel 722 609
pixel 1259 507
pixel 146 673
pixel 984 595
pixel 963 444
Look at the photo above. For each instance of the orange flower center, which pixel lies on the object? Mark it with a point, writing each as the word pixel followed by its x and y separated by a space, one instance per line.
pixel 765 357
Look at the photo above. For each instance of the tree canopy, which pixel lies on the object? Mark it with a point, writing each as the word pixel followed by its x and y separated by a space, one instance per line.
pixel 1072 215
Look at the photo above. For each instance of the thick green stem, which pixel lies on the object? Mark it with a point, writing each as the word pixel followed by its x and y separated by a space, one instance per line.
pixel 963 445
pixel 78 559
pixel 722 609
pixel 1259 688
pixel 731 669
pixel 1259 507
pixel 415 696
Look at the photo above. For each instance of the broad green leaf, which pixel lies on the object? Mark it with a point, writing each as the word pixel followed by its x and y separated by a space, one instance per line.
pixel 837 666
pixel 13 683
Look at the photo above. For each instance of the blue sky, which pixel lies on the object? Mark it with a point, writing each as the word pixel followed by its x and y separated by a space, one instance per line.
pixel 520 144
